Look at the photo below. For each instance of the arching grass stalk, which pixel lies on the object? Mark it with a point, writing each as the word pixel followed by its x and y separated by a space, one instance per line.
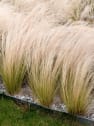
pixel 12 67
pixel 44 69
pixel 76 87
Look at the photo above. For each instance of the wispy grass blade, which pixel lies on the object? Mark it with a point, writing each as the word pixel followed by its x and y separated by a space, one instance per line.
pixel 12 67
pixel 76 81
pixel 44 69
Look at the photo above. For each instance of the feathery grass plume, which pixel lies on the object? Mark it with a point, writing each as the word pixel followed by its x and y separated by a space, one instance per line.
pixel 12 67
pixel 77 76
pixel 69 11
pixel 25 6
pixel 38 9
pixel 43 66
pixel 6 16
pixel 76 89
pixel 81 10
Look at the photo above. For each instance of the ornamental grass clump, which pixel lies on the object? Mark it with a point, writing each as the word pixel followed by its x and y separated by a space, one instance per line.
pixel 44 68
pixel 12 55
pixel 76 82
pixel 76 91
pixel 77 69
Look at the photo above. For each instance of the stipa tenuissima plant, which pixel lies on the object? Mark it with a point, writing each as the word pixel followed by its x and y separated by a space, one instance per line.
pixel 44 69
pixel 12 67
pixel 77 78
pixel 76 81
